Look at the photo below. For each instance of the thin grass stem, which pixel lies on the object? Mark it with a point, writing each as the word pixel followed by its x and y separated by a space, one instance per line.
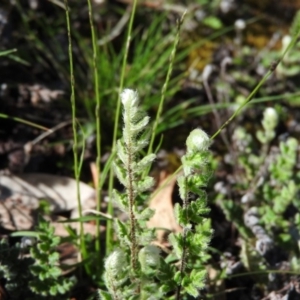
pixel 252 94
pixel 249 98
pixel 258 86
pixel 109 232
pixel 165 86
pixel 74 127
pixel 98 128
pixel 4 116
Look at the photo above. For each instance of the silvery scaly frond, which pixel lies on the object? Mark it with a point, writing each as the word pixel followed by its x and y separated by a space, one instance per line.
pixel 115 262
pixel 146 237
pixel 145 215
pixel 131 131
pixel 149 257
pixel 115 274
pixel 145 162
pixel 128 113
pixel 127 138
pixel 144 184
pixel 122 152
pixel 176 241
pixel 197 141
pixel 121 174
pixel 121 200
pixel 139 145
pixel 129 98
pixel 139 126
pixel 122 233
pixel 178 212
pixel 183 191
pixel 129 170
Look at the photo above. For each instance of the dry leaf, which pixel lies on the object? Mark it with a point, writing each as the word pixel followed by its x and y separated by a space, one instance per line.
pixel 163 206
pixel 20 196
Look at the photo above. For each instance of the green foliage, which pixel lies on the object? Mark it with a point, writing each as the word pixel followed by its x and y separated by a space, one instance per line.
pixel 7 52
pixel 269 123
pixel 271 182
pixel 37 276
pixel 289 66
pixel 192 244
pixel 46 275
pixel 137 269
pixel 280 191
pixel 14 269
pixel 131 267
pixel 150 48
pixel 295 27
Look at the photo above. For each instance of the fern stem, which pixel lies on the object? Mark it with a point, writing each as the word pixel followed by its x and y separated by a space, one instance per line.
pixel 130 188
pixel 131 211
pixel 184 249
pixel 114 289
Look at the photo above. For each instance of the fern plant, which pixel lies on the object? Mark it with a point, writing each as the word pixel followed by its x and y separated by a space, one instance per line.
pixel 46 275
pixel 126 268
pixel 37 276
pixel 14 270
pixel 268 210
pixel 137 269
pixel 280 192
pixel 274 187
pixel 191 246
